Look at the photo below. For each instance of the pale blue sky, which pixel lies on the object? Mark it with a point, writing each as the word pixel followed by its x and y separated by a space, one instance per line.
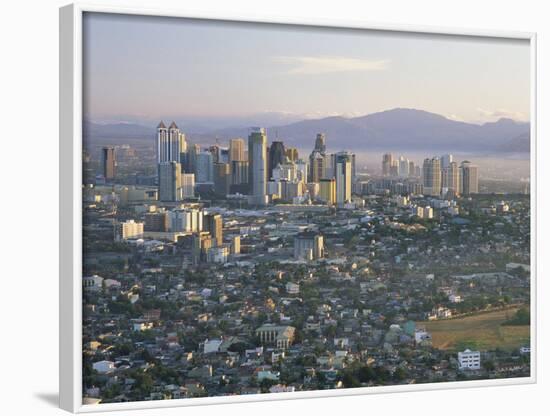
pixel 147 68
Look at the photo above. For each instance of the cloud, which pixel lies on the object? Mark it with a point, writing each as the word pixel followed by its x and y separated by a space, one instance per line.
pixel 494 115
pixel 313 65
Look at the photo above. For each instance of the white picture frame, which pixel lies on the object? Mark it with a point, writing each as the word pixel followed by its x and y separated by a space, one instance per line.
pixel 70 289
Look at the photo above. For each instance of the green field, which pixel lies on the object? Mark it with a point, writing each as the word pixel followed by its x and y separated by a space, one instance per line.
pixel 483 331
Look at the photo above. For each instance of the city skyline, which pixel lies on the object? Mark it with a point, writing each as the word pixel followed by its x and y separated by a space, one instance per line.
pixel 264 260
pixel 488 78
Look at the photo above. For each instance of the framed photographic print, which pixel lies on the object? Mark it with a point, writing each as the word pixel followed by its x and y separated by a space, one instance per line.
pixel 261 209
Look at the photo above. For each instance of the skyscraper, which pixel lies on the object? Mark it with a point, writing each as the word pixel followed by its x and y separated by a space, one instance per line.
pixel 257 165
pixel 239 172
pixel 291 153
pixel 317 165
pixel 214 225
pixel 191 159
pixel 446 160
pixel 276 156
pixel 170 143
pixel 169 181
pixel 343 178
pixel 403 166
pixel 327 191
pixel 470 180
pixel 204 167
pixel 412 168
pixel 451 179
pixel 188 185
pixel 387 161
pixel 320 144
pixel 431 174
pixel 222 178
pixel 236 150
pixel 108 162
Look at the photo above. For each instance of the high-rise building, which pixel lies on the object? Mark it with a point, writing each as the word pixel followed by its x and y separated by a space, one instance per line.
pixel 309 246
pixel 188 185
pixel 108 162
pixel 403 166
pixel 276 156
pixel 320 144
pixel 213 223
pixel 291 153
pixel 343 178
pixel 156 222
pixel 387 161
pixel 470 179
pixel 236 150
pixel 169 181
pixel 412 168
pixel 170 143
pixel 204 168
pixel 394 168
pixel 327 191
pixel 431 176
pixel 451 179
pixel 330 166
pixel 188 220
pixel 353 168
pixel 239 172
pixel 285 171
pixel 317 163
pixel 446 160
pixel 257 165
pixel 191 160
pixel 215 150
pixel 201 243
pixel 222 178
pixel 236 245
pixel 128 229
pixel 301 170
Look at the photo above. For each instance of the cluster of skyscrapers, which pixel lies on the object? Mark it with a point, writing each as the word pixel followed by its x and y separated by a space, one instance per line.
pixel 264 172
pixel 440 176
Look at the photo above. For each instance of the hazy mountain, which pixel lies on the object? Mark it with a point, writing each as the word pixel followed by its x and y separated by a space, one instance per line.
pixel 519 144
pixel 116 130
pixel 397 129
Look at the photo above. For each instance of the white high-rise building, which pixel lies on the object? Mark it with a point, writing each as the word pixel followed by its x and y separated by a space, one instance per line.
pixel 257 165
pixel 170 143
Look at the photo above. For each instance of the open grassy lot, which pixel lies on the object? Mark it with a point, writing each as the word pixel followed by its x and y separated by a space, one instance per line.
pixel 483 331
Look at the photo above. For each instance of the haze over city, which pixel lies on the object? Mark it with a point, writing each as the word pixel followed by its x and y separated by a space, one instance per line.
pixel 141 69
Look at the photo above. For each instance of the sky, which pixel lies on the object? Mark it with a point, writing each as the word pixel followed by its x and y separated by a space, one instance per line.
pixel 143 69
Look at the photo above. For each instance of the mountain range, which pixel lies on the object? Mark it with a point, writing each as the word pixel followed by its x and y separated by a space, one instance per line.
pixel 397 129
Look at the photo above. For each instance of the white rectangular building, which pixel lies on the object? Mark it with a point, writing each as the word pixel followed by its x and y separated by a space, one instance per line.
pixel 469 360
